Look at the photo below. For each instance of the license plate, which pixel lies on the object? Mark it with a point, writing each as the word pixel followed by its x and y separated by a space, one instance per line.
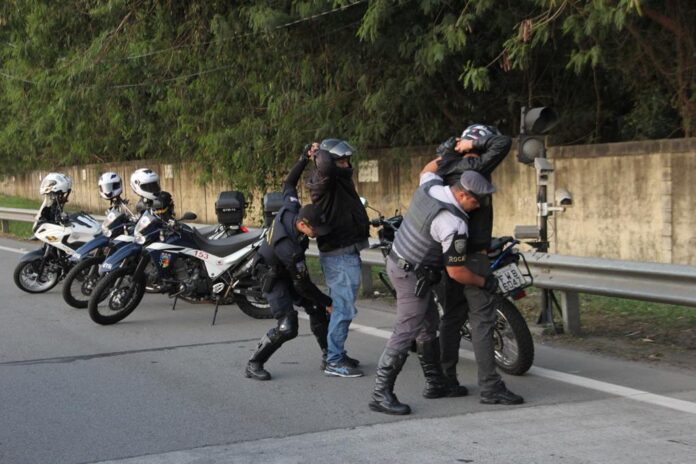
pixel 509 278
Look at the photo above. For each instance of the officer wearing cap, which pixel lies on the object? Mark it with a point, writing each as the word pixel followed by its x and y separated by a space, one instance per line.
pixel 480 148
pixel 283 274
pixel 432 238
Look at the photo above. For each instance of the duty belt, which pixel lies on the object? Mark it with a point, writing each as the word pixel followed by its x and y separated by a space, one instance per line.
pixel 400 262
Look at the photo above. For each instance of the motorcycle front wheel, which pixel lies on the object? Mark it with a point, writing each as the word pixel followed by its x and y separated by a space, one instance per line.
pixel 31 277
pixel 80 282
pixel 514 346
pixel 116 296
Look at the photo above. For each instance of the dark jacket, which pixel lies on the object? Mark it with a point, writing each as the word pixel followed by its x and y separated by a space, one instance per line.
pixel 333 189
pixel 284 247
pixel 493 151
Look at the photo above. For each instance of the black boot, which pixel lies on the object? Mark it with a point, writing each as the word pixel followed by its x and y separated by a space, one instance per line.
pixel 254 368
pixel 436 385
pixel 383 397
pixel 269 344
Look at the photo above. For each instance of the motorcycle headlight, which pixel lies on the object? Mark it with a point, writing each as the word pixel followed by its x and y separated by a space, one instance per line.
pixel 139 239
pixel 107 232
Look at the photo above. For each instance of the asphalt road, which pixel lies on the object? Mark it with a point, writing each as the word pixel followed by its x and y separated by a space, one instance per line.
pixel 165 387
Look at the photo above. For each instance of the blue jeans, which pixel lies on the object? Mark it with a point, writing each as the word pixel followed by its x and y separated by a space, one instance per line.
pixel 342 274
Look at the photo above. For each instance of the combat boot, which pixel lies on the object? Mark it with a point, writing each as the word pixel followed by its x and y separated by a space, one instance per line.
pixel 266 347
pixel 436 384
pixel 383 398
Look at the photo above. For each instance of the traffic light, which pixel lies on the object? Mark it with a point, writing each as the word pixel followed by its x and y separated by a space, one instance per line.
pixel 533 124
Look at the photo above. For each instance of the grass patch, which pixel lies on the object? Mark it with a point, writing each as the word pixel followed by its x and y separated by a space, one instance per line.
pixel 18 202
pixel 19 229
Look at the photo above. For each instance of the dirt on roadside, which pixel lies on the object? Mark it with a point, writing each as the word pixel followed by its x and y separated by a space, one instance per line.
pixel 647 332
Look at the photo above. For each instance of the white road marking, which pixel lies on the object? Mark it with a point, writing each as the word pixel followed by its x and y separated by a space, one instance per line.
pixel 21 251
pixel 584 382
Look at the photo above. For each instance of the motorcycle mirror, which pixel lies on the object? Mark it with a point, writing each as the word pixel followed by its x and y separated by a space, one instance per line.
pixel 188 216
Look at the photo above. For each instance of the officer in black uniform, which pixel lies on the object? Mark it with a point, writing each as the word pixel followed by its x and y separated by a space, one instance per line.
pixel 285 281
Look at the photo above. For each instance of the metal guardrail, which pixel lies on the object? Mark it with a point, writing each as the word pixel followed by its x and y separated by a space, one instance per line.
pixel 569 275
pixel 662 283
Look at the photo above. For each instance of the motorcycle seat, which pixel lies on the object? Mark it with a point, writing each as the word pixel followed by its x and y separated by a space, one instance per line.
pixel 497 245
pixel 207 230
pixel 225 246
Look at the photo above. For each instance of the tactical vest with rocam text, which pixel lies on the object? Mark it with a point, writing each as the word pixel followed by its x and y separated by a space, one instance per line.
pixel 413 241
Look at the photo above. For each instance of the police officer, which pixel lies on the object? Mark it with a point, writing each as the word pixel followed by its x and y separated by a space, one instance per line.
pixel 432 237
pixel 284 277
pixel 480 148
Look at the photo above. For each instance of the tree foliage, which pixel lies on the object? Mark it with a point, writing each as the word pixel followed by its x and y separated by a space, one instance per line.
pixel 238 87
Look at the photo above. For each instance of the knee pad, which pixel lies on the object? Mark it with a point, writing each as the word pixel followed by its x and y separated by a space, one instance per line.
pixel 287 326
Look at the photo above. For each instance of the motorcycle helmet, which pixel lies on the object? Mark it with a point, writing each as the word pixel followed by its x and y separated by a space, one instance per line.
pixel 55 183
pixel 163 205
pixel 478 131
pixel 145 183
pixel 337 148
pixel 110 185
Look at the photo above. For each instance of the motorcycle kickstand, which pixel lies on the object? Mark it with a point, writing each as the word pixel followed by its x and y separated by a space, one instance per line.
pixel 176 298
pixel 217 304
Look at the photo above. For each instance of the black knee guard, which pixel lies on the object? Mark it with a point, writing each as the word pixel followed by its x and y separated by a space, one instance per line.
pixel 287 327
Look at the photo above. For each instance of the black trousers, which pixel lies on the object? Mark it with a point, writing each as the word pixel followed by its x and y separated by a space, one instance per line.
pixel 465 302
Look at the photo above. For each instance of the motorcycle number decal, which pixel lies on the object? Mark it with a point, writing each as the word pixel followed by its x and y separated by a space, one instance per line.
pixel 201 254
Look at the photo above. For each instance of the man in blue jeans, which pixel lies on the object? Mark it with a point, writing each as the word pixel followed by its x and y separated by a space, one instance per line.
pixel 331 187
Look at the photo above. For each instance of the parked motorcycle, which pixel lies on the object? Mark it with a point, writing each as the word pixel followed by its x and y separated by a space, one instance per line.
pixel 40 270
pixel 83 277
pixel 188 266
pixel 514 346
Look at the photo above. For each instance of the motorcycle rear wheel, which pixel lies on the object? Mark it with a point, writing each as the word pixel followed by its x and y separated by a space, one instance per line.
pixel 116 296
pixel 27 278
pixel 257 308
pixel 514 346
pixel 83 277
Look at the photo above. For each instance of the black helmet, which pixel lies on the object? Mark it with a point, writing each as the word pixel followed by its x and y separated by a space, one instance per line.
pixel 163 205
pixel 337 148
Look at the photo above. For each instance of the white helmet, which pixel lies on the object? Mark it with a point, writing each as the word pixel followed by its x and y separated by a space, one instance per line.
pixel 55 182
pixel 110 185
pixel 145 182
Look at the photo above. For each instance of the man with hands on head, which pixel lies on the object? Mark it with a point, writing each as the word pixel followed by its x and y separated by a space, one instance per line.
pixel 282 271
pixel 331 187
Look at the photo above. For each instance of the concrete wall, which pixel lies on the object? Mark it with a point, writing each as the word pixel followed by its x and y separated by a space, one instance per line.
pixel 632 201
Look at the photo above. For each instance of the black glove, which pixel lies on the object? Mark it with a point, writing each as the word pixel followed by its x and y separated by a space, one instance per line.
pixel 491 284
pixel 305 156
pixel 446 147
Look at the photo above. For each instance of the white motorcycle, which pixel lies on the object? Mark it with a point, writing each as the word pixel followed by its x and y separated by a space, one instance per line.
pixel 40 270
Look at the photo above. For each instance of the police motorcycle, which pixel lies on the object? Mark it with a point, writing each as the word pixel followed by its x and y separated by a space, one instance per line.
pixel 80 281
pixel 514 346
pixel 189 266
pixel 40 270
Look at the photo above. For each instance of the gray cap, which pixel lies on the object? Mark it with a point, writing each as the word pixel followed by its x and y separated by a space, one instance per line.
pixel 476 184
